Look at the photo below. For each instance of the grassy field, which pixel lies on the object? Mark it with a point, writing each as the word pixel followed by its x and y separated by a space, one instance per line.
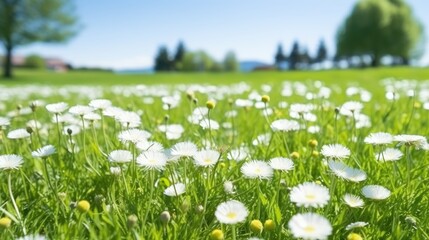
pixel 267 155
pixel 342 77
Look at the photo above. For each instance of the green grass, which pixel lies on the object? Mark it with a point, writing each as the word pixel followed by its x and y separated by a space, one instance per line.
pixel 363 76
pixel 47 191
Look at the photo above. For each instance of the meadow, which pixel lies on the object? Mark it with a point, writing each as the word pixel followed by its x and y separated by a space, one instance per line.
pixel 338 154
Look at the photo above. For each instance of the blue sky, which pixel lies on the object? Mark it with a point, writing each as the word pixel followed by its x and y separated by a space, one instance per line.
pixel 127 34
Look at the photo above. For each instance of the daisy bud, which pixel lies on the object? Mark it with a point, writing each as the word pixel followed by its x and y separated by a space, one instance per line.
pixel 190 95
pixel 62 195
pixel 313 143
pixel 166 117
pixel 83 206
pixel 315 154
pixel 411 220
pixel 294 155
pixel 195 101
pixel 33 106
pixel 216 234
pixel 185 205
pixel 256 226
pixel 165 217
pixel 69 131
pixel 29 130
pixel 210 104
pixel 354 236
pixel 199 209
pixel 132 221
pixel 265 98
pixel 337 110
pixel 5 222
pixel 222 165
pixel 270 225
pixel 417 105
pixel 18 107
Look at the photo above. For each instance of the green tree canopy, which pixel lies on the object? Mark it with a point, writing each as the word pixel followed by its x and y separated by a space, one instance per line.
pixel 35 61
pixel 24 22
pixel 380 28
pixel 230 62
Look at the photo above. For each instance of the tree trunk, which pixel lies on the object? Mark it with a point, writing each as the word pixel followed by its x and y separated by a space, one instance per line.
pixel 7 68
pixel 375 60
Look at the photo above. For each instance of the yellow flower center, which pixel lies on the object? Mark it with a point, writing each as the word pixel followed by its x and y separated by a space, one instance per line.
pixel 310 196
pixel 309 229
pixel 207 160
pixel 231 215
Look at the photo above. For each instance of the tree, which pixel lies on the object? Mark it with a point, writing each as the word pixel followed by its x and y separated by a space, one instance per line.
pixel 294 56
pixel 24 22
pixel 34 61
pixel 230 62
pixel 322 52
pixel 379 28
pixel 162 60
pixel 178 57
pixel 280 57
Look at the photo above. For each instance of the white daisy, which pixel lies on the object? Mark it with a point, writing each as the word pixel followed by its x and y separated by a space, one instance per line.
pixel 356 225
pixel 4 121
pixel 263 139
pixel 228 187
pixel 57 107
pixel 149 146
pixel 310 194
pixel 238 154
pixel 32 237
pixel 120 156
pixel 152 160
pixel 133 135
pixel 18 134
pixel 206 158
pixel 72 130
pixel 80 110
pixel 183 149
pixel 310 226
pixel 173 131
pixel 376 192
pixel 342 170
pixel 350 108
pixel 206 123
pixel 175 190
pixel 231 212
pixel 335 151
pixel 390 154
pixel 92 116
pixel 353 200
pixel 379 138
pixel 257 169
pixel 282 164
pixel 128 119
pixel 10 161
pixel 100 103
pixel 284 125
pixel 44 151
pixel 410 140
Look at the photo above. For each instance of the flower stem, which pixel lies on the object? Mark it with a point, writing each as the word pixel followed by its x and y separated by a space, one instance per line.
pixel 9 182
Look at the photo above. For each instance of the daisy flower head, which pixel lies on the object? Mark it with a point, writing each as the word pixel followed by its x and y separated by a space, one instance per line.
pixel 335 151
pixel 18 134
pixel 353 200
pixel 375 192
pixel 173 131
pixel 133 135
pixel 183 149
pixel 284 125
pixel 4 121
pixel 389 154
pixel 209 124
pixel 228 187
pixel 350 108
pixel 44 151
pixel 310 226
pixel 100 103
pixel 231 212
pixel 175 190
pixel 33 237
pixel 356 225
pixel 57 107
pixel 281 164
pixel 120 156
pixel 10 161
pixel 238 154
pixel 410 140
pixel 206 158
pixel 310 194
pixel 257 169
pixel 379 138
pixel 80 110
pixel 128 119
pixel 92 116
pixel 149 146
pixel 152 160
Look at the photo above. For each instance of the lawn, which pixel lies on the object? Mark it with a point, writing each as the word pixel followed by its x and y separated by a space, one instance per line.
pixel 333 154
